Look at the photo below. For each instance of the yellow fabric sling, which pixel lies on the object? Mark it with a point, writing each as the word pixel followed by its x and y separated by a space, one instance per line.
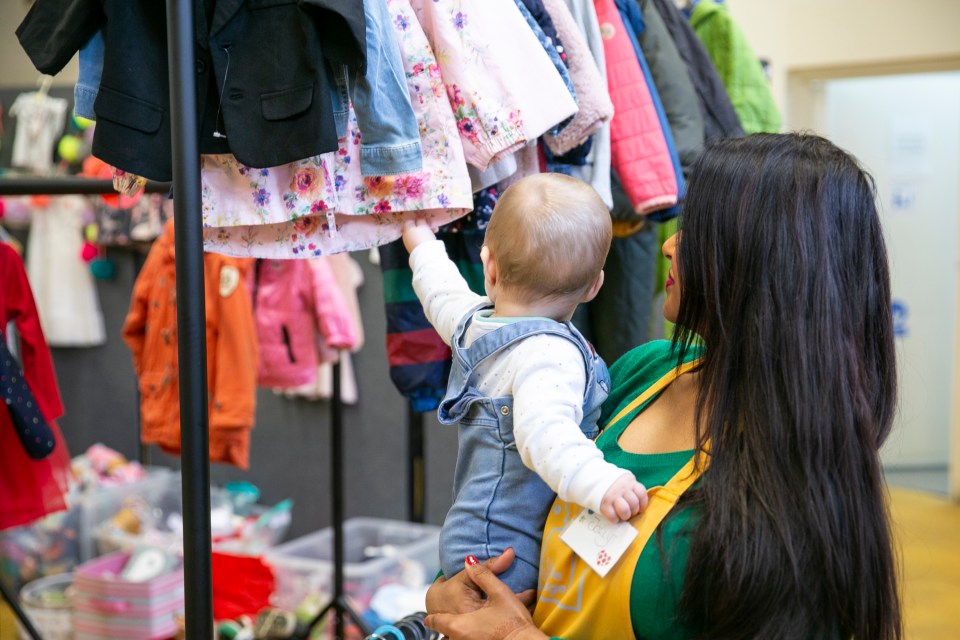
pixel 573 602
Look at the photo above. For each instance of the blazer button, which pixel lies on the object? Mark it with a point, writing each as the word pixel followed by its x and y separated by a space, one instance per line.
pixel 201 66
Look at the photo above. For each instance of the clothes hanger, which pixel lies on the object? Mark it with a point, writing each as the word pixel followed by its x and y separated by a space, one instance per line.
pixel 43 82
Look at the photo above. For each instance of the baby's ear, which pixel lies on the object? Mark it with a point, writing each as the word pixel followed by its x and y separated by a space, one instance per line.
pixel 594 289
pixel 489 265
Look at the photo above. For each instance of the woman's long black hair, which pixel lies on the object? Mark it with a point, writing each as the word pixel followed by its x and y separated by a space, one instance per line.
pixel 784 277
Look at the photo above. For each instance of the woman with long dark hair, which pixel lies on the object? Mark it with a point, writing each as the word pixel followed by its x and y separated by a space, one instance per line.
pixel 759 426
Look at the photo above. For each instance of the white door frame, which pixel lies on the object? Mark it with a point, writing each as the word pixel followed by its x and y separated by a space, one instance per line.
pixel 805 112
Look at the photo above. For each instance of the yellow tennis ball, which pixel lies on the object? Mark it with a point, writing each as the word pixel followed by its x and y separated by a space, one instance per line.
pixel 69 148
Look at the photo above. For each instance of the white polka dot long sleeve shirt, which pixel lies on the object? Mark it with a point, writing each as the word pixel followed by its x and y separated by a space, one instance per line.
pixel 545 375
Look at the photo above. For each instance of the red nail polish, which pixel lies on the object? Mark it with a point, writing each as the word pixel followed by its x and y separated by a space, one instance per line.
pixel 472 559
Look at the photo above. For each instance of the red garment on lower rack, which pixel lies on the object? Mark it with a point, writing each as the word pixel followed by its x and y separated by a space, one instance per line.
pixel 29 489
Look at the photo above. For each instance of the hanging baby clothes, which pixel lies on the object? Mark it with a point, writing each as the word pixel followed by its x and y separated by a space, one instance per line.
pixel 323 205
pixel 593 100
pixel 499 104
pixel 596 170
pixel 719 117
pixel 150 330
pixel 348 275
pixel 677 106
pixel 40 122
pixel 143 222
pixel 639 148
pixel 419 358
pixel 296 303
pixel 63 286
pixel 738 66
pixel 29 488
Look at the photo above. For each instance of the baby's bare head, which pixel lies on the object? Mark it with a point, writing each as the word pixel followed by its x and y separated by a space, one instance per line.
pixel 549 236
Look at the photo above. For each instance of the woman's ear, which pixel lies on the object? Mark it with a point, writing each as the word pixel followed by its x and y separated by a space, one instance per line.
pixel 594 289
pixel 489 265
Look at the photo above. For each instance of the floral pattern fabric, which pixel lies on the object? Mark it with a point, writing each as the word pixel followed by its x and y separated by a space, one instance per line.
pixel 503 88
pixel 323 205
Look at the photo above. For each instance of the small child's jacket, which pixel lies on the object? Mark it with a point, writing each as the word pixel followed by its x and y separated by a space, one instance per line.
pixel 150 331
pixel 296 303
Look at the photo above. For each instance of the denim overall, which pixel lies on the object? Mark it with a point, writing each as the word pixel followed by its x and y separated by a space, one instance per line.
pixel 497 501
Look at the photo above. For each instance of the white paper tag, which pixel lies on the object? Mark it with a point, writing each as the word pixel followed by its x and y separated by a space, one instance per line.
pixel 598 542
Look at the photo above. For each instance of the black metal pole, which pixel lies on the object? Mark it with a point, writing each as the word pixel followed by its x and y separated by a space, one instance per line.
pixel 338 603
pixel 191 324
pixel 29 186
pixel 416 483
pixel 336 426
pixel 18 611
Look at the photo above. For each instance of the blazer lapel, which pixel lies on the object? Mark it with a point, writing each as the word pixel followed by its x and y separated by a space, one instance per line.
pixel 222 14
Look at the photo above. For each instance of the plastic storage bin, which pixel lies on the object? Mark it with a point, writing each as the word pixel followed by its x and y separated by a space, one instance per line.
pixel 106 502
pixel 376 552
pixel 48 605
pixel 108 607
pixel 57 543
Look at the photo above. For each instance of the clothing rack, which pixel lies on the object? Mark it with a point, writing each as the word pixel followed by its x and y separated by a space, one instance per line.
pixel 195 467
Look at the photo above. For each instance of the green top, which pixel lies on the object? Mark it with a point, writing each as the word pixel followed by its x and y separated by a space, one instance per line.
pixel 656 585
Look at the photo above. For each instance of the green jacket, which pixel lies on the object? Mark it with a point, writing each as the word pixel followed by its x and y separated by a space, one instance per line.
pixel 739 68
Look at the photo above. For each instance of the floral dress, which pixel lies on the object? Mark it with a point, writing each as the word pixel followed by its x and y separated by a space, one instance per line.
pixel 503 87
pixel 323 205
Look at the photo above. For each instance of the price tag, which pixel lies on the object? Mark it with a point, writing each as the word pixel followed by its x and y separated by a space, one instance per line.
pixel 598 542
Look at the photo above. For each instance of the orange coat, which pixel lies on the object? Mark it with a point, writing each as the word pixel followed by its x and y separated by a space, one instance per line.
pixel 150 331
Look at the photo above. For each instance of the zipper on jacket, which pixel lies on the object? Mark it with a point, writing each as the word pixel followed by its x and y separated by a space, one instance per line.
pixel 286 342
pixel 256 281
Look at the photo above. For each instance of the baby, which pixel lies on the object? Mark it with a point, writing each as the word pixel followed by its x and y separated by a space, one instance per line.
pixel 525 387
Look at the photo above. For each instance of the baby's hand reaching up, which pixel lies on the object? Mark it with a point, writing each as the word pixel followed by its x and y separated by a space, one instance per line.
pixel 415 233
pixel 624 499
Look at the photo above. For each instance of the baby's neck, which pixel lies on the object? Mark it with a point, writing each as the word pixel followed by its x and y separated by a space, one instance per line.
pixel 556 309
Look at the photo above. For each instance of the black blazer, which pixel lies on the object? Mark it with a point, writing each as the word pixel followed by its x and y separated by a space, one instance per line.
pixel 263 67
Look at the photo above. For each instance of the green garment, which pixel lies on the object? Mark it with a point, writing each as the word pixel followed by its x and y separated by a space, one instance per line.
pixel 656 585
pixel 739 68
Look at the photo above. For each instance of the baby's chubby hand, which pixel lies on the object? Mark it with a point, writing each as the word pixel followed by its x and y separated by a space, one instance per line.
pixel 624 499
pixel 416 232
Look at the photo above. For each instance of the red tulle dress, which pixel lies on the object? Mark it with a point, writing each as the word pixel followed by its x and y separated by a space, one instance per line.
pixel 29 489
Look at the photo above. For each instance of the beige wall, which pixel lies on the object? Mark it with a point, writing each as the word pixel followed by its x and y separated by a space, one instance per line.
pixel 801 35
pixel 16 70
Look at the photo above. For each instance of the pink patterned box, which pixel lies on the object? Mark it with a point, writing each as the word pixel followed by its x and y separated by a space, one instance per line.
pixel 107 607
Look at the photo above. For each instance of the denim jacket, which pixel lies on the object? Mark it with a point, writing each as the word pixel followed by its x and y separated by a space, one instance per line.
pixel 88 80
pixel 390 142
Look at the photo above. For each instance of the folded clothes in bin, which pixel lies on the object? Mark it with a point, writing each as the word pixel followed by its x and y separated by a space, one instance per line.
pixel 110 601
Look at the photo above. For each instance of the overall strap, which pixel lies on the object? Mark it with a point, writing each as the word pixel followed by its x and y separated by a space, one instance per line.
pixel 492 342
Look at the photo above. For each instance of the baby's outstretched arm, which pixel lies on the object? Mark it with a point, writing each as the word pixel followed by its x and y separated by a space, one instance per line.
pixel 624 499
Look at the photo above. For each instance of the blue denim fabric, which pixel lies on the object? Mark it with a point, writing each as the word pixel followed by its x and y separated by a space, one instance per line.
pixel 633 21
pixel 554 56
pixel 88 80
pixel 497 501
pixel 390 134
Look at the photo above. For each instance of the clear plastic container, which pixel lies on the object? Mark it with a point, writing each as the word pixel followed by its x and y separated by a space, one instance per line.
pixel 376 552
pixel 47 603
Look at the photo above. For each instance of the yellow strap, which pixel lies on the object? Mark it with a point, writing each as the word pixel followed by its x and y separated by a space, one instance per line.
pixel 654 389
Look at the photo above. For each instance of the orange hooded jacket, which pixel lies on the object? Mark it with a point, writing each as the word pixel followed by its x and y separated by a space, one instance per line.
pixel 150 331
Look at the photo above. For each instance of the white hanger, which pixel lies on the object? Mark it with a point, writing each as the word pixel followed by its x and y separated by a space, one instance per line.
pixel 44 83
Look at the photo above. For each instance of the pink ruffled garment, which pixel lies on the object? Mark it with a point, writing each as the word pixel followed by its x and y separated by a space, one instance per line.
pixel 503 89
pixel 323 205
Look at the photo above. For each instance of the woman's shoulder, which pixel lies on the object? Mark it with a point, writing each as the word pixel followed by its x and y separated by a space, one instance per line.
pixel 651 356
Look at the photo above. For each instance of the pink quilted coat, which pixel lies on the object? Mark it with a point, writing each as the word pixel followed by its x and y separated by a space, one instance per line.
pixel 296 304
pixel 639 151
